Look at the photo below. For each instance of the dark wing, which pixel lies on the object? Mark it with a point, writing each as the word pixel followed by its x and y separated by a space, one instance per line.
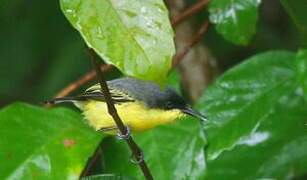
pixel 95 93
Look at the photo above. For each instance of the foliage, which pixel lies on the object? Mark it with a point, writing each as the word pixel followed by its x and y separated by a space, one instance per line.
pixel 256 110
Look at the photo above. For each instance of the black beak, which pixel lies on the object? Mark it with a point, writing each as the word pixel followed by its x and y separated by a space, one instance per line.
pixel 194 113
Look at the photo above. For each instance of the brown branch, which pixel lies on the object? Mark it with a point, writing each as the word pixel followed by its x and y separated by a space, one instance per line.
pixel 189 12
pixel 194 40
pixel 137 152
pixel 84 79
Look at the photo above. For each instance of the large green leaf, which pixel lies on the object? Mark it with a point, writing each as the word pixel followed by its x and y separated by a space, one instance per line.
pixel 257 119
pixel 134 35
pixel 36 143
pixel 235 19
pixel 297 11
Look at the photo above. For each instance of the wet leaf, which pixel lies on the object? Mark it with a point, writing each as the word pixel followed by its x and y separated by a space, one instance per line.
pixel 257 120
pixel 135 36
pixel 36 143
pixel 236 19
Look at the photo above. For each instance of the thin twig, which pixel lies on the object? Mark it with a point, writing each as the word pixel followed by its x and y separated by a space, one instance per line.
pixel 189 12
pixel 195 39
pixel 91 161
pixel 137 152
pixel 84 79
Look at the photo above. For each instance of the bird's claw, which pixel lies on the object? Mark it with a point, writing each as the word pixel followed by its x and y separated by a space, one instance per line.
pixel 124 136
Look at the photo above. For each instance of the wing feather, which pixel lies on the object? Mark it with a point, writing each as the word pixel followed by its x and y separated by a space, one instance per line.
pixel 95 93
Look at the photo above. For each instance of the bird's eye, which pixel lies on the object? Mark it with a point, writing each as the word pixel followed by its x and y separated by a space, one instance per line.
pixel 169 105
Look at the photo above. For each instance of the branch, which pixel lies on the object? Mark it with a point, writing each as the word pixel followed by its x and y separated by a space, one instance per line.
pixel 84 79
pixel 137 152
pixel 195 39
pixel 189 12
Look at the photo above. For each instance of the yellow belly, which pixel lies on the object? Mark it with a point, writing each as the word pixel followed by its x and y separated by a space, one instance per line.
pixel 135 115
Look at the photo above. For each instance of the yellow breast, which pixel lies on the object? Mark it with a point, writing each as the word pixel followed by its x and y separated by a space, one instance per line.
pixel 133 114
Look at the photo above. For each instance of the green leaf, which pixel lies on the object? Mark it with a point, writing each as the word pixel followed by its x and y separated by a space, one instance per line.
pixel 297 10
pixel 174 151
pixel 257 120
pixel 301 66
pixel 37 143
pixel 134 35
pixel 235 19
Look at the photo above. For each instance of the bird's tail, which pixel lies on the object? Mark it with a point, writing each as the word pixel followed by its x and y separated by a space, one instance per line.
pixel 63 100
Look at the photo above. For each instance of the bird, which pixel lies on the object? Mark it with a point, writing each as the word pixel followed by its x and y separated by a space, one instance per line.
pixel 141 105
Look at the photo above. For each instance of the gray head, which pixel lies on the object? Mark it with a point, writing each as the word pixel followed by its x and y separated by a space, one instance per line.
pixel 153 96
